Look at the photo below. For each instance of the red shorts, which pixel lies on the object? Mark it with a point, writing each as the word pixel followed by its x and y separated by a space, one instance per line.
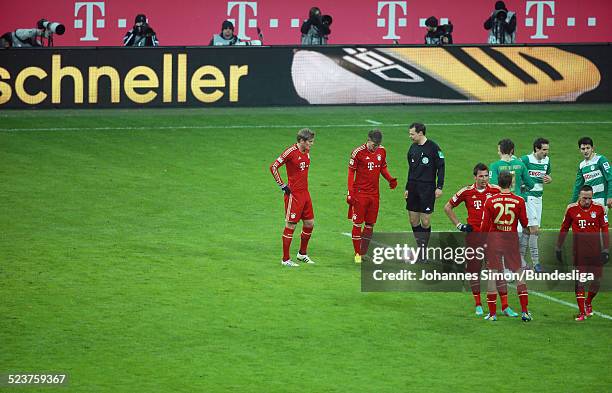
pixel 589 264
pixel 473 266
pixel 474 240
pixel 298 207
pixel 587 253
pixel 503 252
pixel 365 208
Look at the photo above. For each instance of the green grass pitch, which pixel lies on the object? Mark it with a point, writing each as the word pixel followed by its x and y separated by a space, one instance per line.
pixel 140 250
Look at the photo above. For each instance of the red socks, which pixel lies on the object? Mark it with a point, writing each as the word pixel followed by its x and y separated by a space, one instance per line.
pixel 356 235
pixel 590 297
pixel 475 284
pixel 521 289
pixel 366 236
pixel 502 289
pixel 306 232
pixel 504 300
pixel 361 239
pixel 477 300
pixel 593 289
pixel 287 237
pixel 580 300
pixel 492 303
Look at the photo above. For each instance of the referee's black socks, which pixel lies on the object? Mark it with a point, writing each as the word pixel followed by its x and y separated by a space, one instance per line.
pixel 421 235
pixel 418 235
pixel 426 235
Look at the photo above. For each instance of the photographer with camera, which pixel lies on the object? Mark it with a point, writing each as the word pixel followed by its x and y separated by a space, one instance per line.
pixel 438 34
pixel 316 28
pixel 6 40
pixel 32 38
pixel 226 37
pixel 141 34
pixel 501 25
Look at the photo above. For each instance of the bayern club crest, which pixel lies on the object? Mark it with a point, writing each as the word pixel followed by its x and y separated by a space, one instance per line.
pixel 379 157
pixel 593 214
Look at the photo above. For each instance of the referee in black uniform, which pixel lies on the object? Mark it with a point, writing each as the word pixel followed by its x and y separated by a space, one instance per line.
pixel 425 182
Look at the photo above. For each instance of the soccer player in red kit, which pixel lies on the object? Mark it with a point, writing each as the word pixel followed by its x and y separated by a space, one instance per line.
pixel 298 205
pixel 474 197
pixel 589 224
pixel 501 216
pixel 366 164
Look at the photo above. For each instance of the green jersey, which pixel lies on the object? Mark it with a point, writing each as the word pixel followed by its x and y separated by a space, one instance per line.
pixel 518 171
pixel 536 170
pixel 595 173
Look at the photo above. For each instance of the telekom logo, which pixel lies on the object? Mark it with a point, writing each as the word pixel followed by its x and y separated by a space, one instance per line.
pixel 540 9
pixel 89 7
pixel 242 16
pixel 390 22
pixel 545 17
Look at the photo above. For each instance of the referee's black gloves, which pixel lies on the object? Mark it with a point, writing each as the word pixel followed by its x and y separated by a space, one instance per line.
pixel 465 227
pixel 286 189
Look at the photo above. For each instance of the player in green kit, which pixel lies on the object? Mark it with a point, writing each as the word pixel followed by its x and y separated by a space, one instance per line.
pixel 593 171
pixel 538 168
pixel 509 163
pixel 521 181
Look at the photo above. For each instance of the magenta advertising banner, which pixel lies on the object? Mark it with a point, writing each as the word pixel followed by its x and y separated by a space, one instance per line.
pixel 192 22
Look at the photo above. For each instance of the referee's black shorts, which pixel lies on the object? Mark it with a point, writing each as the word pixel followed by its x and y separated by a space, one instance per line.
pixel 421 197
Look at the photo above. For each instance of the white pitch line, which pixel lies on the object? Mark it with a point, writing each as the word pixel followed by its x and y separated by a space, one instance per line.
pixel 376 123
pixel 542 295
pixel 259 126
pixel 554 299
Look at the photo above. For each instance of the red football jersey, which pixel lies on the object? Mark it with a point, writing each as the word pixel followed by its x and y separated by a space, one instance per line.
pixel 367 166
pixel 474 200
pixel 297 164
pixel 586 225
pixel 503 212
